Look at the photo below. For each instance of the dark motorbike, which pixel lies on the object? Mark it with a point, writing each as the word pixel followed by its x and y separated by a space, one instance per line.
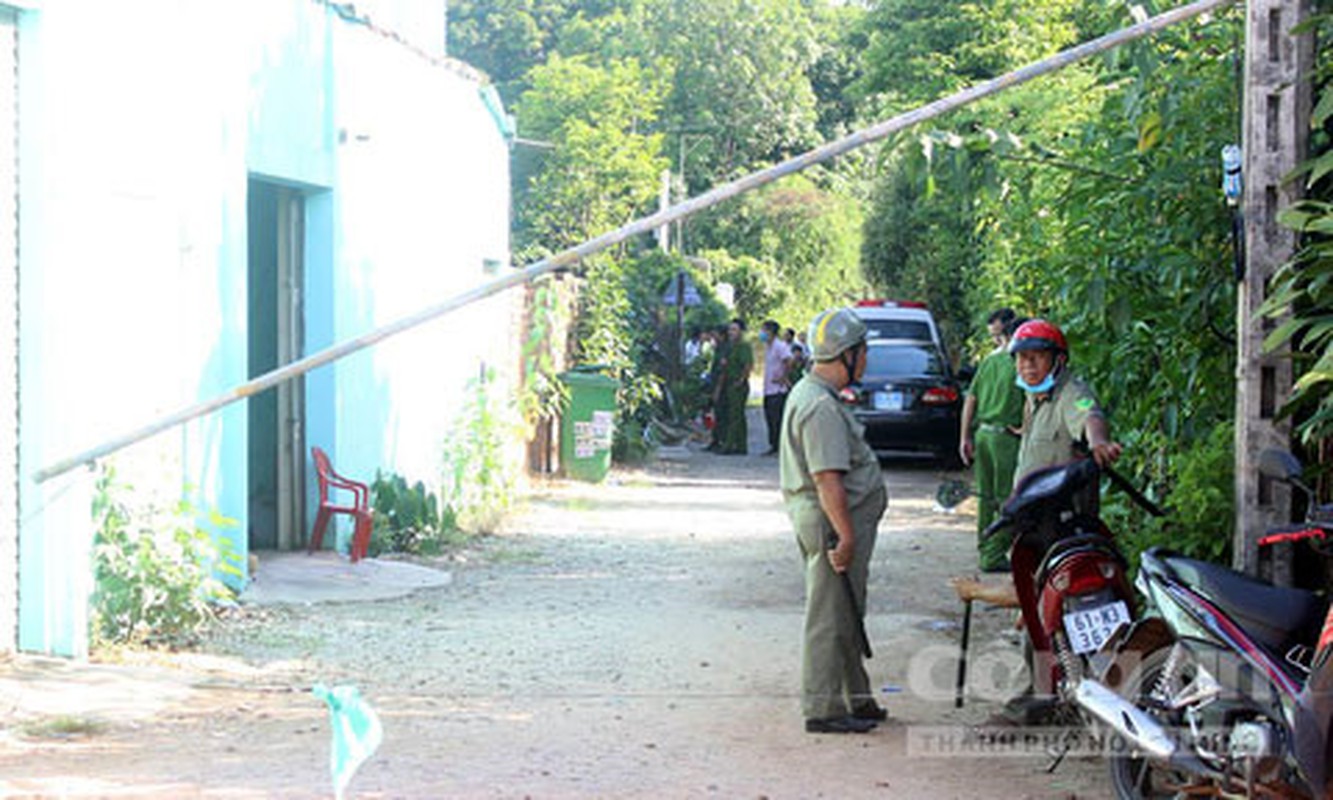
pixel 1069 576
pixel 1226 685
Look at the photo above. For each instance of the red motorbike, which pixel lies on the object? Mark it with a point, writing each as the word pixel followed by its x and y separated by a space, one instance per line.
pixel 1069 576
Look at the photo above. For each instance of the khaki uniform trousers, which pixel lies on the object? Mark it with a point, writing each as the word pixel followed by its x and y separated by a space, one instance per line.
pixel 833 678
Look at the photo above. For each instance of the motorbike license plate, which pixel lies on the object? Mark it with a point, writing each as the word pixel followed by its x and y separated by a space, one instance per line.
pixel 1089 629
pixel 888 401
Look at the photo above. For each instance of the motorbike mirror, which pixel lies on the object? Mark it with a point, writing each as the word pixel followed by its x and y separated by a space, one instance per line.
pixel 1279 465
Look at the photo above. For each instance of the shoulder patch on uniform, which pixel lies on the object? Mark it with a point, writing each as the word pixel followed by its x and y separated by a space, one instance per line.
pixel 1085 404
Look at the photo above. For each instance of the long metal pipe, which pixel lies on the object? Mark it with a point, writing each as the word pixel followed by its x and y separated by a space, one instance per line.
pixel 643 225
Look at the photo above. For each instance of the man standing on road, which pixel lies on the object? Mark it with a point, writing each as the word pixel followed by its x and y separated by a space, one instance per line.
pixel 734 392
pixel 834 494
pixel 777 361
pixel 992 420
pixel 716 371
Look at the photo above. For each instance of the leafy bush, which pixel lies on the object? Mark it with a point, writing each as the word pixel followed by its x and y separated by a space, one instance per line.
pixel 408 519
pixel 154 581
pixel 1301 297
pixel 1199 488
pixel 480 470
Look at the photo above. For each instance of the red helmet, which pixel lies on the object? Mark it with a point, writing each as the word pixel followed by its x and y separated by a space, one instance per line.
pixel 1038 334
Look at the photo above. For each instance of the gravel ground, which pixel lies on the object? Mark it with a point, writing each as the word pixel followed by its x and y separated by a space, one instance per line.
pixel 637 638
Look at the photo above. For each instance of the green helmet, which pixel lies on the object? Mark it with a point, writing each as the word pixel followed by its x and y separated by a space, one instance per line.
pixel 835 331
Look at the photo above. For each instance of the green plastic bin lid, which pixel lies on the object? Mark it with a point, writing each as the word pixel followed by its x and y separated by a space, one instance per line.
pixel 589 375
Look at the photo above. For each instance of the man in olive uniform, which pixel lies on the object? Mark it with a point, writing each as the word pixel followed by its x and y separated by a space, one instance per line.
pixel 834 494
pixel 1060 413
pixel 991 423
pixel 1061 410
pixel 718 367
pixel 735 391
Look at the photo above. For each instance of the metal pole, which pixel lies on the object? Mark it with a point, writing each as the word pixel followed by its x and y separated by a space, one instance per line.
pixel 960 684
pixel 643 225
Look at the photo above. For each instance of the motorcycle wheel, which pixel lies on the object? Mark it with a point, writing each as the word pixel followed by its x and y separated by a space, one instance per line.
pixel 1132 776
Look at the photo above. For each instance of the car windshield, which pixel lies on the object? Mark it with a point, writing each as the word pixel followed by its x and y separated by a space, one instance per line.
pixel 903 359
pixel 898 329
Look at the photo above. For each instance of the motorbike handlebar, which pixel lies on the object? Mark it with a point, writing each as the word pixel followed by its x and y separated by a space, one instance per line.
pixel 1293 536
pixel 1123 484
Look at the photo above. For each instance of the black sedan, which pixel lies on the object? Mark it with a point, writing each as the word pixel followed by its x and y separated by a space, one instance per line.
pixel 908 400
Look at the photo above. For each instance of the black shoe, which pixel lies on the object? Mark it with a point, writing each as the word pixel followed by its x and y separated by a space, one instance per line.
pixel 839 725
pixel 772 451
pixel 871 712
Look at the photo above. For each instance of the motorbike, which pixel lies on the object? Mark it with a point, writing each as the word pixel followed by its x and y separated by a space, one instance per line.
pixel 1225 685
pixel 1069 576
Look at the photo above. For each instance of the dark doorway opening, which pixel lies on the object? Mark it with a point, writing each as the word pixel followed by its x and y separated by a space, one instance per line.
pixel 276 462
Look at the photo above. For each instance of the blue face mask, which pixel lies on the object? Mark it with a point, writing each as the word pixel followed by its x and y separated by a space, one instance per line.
pixel 763 337
pixel 1045 386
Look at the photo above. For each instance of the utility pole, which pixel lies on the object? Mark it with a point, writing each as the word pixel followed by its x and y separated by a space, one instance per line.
pixel 1276 134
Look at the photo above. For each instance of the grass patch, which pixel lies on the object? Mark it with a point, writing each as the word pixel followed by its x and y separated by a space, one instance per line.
pixel 61 727
pixel 516 555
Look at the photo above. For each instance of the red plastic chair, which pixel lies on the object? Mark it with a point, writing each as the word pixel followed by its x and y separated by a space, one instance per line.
pixel 359 510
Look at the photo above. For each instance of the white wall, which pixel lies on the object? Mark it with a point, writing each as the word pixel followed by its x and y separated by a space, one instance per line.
pixel 141 123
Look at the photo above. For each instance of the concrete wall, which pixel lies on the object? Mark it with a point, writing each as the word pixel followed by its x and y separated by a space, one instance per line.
pixel 8 330
pixel 141 125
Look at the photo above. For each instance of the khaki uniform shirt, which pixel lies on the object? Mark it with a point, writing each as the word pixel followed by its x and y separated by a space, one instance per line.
pixel 1053 424
pixel 819 433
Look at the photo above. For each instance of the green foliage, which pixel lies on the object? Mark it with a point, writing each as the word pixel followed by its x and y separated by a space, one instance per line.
pixel 656 348
pixel 1302 298
pixel 154 578
pixel 1301 295
pixel 603 168
pixel 1090 198
pixel 920 50
pixel 481 470
pixel 1201 489
pixel 922 244
pixel 408 519
pixel 791 249
pixel 543 394
pixel 740 88
pixel 612 333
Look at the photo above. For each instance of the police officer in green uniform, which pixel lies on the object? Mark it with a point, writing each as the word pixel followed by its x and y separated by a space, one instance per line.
pixel 735 390
pixel 834 492
pixel 992 420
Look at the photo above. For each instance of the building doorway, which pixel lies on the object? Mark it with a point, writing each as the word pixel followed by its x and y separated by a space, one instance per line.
pixel 276 450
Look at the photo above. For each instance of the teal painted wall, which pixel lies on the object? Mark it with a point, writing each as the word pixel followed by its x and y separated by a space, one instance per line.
pixel 135 244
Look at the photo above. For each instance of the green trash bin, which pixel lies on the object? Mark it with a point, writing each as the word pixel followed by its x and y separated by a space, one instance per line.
pixel 587 426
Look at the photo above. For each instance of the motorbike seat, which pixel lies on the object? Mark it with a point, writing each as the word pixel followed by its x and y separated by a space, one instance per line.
pixel 1277 617
pixel 1074 545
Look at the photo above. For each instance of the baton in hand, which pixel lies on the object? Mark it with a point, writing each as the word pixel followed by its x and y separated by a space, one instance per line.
pixel 851 602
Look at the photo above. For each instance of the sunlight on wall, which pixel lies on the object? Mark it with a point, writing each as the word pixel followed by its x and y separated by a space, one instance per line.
pixel 147 120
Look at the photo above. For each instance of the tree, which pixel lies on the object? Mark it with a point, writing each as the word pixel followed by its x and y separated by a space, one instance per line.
pixel 604 168
pixel 740 88
pixel 791 248
pixel 505 38
pixel 919 50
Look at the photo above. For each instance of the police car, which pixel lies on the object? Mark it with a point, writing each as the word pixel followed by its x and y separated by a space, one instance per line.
pixel 909 399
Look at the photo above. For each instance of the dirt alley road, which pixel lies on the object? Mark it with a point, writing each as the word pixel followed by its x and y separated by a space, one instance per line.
pixel 638 638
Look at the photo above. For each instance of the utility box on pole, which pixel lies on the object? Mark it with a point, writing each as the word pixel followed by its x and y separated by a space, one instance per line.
pixel 1276 134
